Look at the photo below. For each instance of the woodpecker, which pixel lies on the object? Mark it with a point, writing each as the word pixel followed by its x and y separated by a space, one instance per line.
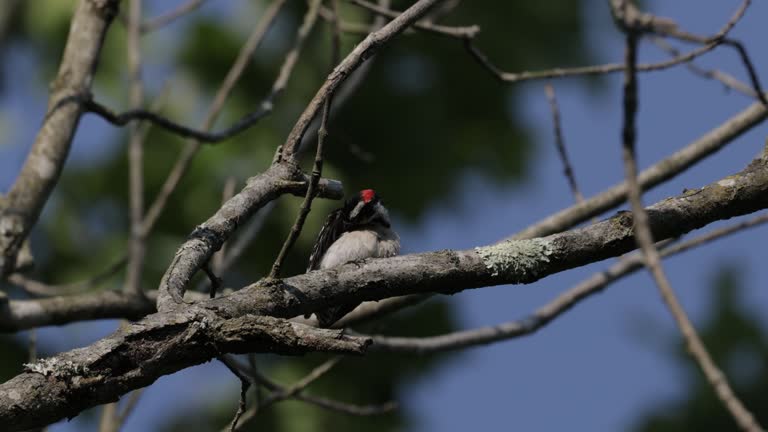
pixel 359 229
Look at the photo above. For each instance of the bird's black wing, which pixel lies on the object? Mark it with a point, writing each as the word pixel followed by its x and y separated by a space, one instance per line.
pixel 332 229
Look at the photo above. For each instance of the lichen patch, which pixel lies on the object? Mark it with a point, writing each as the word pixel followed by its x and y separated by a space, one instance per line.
pixel 520 257
pixel 54 367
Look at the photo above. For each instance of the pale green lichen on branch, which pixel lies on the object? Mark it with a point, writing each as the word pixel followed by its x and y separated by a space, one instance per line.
pixel 521 257
pixel 54 367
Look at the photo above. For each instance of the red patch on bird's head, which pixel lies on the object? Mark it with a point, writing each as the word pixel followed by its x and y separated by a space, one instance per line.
pixel 367 195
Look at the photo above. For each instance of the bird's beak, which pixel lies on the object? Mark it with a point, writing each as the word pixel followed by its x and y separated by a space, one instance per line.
pixel 356 210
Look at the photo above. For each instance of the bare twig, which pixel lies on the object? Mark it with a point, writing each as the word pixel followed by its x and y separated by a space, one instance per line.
pixel 157 22
pixel 649 23
pixel 108 416
pixel 214 280
pixel 233 75
pixel 40 289
pixel 644 238
pixel 353 82
pixel 654 175
pixel 341 407
pixel 467 32
pixel 729 81
pixel 317 167
pixel 356 28
pixel 363 51
pixel 560 143
pixel 514 77
pixel 751 72
pixel 372 310
pixel 348 408
pixel 280 394
pixel 245 384
pixel 133 400
pixel 121 119
pixel 136 241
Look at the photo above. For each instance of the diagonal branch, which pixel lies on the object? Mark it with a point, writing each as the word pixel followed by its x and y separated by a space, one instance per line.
pixel 159 21
pixel 208 237
pixel 550 311
pixel 654 175
pixel 137 355
pixel 549 90
pixel 645 240
pixel 728 81
pixel 455 32
pixel 137 245
pixel 21 207
pixel 362 52
pixel 222 94
pixel 509 262
pixel 317 167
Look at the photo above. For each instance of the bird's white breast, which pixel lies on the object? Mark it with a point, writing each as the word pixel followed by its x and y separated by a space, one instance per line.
pixel 361 244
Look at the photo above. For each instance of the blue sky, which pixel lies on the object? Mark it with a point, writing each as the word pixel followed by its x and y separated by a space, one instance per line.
pixel 601 365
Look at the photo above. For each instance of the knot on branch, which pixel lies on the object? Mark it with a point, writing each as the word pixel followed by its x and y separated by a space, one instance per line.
pixel 207 236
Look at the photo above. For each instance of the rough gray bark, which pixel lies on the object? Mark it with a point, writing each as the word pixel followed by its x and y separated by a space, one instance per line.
pixel 243 321
pixel 138 354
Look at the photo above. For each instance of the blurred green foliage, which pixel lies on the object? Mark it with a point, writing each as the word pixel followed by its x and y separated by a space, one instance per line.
pixel 738 345
pixel 425 114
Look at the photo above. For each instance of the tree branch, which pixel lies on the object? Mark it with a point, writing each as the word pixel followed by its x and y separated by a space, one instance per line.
pixel 645 240
pixel 166 342
pixel 137 355
pixel 363 51
pixel 521 261
pixel 22 205
pixel 207 238
pixel 550 311
pixel 654 175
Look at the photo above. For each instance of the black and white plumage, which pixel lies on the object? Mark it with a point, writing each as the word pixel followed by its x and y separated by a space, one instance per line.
pixel 358 230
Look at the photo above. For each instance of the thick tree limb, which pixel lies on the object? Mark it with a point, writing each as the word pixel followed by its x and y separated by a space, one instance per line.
pixel 137 355
pixel 167 342
pixel 516 261
pixel 544 315
pixel 20 209
pixel 744 194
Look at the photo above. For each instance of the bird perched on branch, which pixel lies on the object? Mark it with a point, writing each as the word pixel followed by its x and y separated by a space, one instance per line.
pixel 358 230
